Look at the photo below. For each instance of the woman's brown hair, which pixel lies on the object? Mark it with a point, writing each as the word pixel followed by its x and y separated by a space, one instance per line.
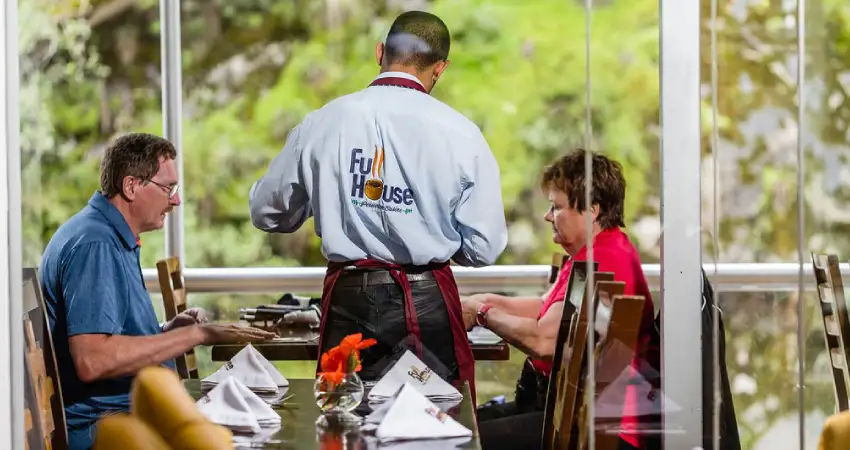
pixel 608 185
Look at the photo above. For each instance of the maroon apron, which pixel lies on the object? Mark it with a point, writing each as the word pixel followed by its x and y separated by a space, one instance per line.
pixel 448 288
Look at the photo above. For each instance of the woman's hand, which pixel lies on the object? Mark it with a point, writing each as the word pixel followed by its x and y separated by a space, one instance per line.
pixel 479 298
pixel 470 310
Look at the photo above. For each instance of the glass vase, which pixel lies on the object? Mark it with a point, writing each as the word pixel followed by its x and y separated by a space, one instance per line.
pixel 337 400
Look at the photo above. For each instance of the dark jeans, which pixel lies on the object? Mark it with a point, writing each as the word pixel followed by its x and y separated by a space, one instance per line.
pixel 377 311
pixel 530 396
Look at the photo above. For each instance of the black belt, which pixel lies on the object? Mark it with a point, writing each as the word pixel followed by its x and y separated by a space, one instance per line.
pixel 351 278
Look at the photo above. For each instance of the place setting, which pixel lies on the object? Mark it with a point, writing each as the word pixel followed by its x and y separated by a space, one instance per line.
pixel 242 396
pixel 406 408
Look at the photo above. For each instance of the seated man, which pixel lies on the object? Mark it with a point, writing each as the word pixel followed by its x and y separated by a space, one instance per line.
pixel 101 316
pixel 531 323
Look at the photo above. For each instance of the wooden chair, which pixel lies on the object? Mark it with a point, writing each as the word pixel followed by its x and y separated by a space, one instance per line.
pixel 44 411
pixel 175 302
pixel 565 384
pixel 613 359
pixel 575 294
pixel 565 420
pixel 576 289
pixel 836 323
pixel 558 262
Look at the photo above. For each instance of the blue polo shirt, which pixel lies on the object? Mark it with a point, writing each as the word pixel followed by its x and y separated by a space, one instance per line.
pixel 91 277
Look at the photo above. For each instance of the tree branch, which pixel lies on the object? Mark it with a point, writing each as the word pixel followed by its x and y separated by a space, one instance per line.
pixel 108 11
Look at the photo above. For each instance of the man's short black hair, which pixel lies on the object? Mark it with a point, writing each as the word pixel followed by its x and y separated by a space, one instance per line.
pixel 418 39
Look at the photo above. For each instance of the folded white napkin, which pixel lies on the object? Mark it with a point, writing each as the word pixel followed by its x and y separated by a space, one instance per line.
pixel 233 405
pixel 409 369
pixel 412 416
pixel 483 336
pixel 371 421
pixel 255 440
pixel 252 369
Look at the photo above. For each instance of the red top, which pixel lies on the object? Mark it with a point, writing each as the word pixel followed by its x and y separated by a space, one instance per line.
pixel 615 253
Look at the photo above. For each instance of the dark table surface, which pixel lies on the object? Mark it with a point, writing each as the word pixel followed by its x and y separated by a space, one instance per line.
pixel 298 430
pixel 300 345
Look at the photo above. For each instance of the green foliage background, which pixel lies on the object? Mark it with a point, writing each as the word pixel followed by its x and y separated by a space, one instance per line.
pixel 253 68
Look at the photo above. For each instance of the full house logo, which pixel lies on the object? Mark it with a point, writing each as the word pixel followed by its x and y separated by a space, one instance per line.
pixel 377 194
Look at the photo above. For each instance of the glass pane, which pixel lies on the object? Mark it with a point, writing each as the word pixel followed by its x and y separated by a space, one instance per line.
pixel 251 72
pixel 756 207
pixel 761 353
pixel 827 130
pixel 625 118
pixel 827 126
pixel 89 72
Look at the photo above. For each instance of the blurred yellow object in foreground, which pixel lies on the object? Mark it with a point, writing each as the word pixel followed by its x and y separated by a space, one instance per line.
pixel 163 416
pixel 159 398
pixel 836 432
pixel 125 432
pixel 203 436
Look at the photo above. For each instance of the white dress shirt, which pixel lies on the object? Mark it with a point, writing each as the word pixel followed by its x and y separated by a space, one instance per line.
pixel 433 181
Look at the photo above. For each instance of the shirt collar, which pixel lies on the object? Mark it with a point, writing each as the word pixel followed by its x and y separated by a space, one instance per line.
pixel 601 238
pixel 99 202
pixel 404 75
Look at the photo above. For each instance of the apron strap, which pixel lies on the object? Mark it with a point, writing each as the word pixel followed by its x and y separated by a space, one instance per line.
pixel 447 284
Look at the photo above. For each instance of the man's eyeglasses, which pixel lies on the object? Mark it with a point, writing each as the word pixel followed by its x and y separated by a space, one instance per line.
pixel 171 190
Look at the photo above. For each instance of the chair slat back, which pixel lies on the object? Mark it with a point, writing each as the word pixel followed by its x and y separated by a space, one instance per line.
pixel 836 323
pixel 572 390
pixel 174 302
pixel 569 366
pixel 44 411
pixel 576 289
pixel 576 286
pixel 613 359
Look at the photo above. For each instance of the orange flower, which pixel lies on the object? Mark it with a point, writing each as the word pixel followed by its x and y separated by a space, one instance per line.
pixel 350 349
pixel 332 360
pixel 333 366
pixel 344 358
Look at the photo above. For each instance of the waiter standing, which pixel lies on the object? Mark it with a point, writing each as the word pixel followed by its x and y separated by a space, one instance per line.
pixel 399 184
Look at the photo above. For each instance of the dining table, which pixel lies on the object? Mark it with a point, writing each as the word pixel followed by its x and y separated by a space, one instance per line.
pixel 300 427
pixel 301 344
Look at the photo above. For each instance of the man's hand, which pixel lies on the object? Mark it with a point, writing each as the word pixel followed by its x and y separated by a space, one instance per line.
pixel 232 333
pixel 192 316
pixel 470 310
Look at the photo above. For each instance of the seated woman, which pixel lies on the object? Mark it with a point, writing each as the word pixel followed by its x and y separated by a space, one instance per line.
pixel 531 323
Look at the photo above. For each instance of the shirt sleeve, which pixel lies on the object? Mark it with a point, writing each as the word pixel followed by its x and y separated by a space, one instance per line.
pixel 480 214
pixel 280 201
pixel 95 302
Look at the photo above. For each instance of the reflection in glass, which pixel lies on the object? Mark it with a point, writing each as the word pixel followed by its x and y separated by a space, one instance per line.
pixel 757 211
